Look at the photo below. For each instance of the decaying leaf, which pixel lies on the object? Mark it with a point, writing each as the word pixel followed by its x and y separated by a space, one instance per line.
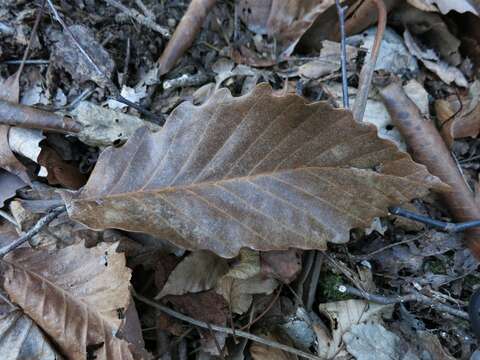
pixel 460 120
pixel 343 315
pixel 239 292
pixel 447 73
pixel 262 352
pixel 206 306
pixel 104 127
pixel 76 295
pixel 461 6
pixel 328 61
pixel 260 171
pixel 60 171
pixel 281 265
pixel 199 271
pixel 21 339
pixel 372 342
pixel 286 21
pixel 66 55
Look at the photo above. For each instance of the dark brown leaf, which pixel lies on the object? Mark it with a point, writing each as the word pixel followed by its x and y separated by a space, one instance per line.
pixel 259 171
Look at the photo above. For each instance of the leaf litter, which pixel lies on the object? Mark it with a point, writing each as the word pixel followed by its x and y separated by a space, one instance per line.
pixel 214 177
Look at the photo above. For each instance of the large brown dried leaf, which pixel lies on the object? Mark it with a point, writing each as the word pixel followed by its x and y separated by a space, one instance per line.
pixel 76 295
pixel 258 171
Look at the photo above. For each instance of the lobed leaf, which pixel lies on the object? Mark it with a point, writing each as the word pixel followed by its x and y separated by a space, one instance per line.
pixel 259 171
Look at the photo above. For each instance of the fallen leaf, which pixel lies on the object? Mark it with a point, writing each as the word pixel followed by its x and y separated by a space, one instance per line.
pixel 281 265
pixel 432 62
pixel 239 292
pixel 263 352
pixel 267 172
pixel 9 184
pixel 104 127
pixel 22 339
pixel 328 61
pixel 393 56
pixel 461 6
pixel 286 21
pixel 342 316
pixel 460 120
pixel 66 55
pixel 248 265
pixel 60 171
pixel 197 272
pixel 76 295
pixel 374 342
pixel 205 306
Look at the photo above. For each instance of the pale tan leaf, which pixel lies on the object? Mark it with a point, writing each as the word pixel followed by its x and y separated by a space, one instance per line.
pixel 76 295
pixel 239 292
pixel 21 339
pixel 247 266
pixel 199 271
pixel 259 171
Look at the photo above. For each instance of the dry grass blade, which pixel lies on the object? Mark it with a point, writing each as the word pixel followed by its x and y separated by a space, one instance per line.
pixel 428 148
pixel 74 295
pixel 258 171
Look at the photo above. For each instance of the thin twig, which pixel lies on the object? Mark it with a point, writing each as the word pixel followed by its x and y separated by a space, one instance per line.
pixel 412 297
pixel 30 41
pixel 442 225
pixel 366 74
pixel 141 19
pixel 369 255
pixel 341 19
pixel 44 221
pixel 222 329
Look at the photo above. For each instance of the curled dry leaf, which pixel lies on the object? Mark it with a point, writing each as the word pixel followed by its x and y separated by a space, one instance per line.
pixel 239 292
pixel 286 21
pixel 76 295
pixel 22 339
pixel 199 271
pixel 260 171
pixel 9 184
pixel 432 62
pixel 460 120
pixel 60 171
